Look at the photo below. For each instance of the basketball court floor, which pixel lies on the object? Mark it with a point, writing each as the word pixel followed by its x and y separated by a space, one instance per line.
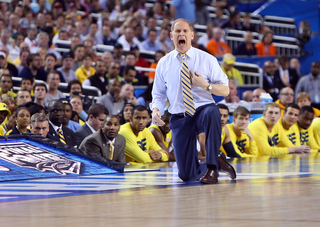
pixel 281 191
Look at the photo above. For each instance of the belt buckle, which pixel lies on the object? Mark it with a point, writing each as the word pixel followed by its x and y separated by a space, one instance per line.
pixel 184 114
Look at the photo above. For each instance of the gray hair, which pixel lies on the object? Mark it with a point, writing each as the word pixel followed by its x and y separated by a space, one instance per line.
pixel 41 117
pixel 42 34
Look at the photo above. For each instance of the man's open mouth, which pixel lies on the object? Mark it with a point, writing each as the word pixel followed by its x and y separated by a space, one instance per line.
pixel 182 42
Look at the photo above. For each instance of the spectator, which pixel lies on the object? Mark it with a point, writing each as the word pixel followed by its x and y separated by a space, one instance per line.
pixel 303 99
pixel 113 71
pixel 256 95
pixel 127 93
pixel 77 105
pixel 4 113
pixel 204 39
pixel 266 47
pixel 4 64
pixel 9 101
pixel 43 53
pixel 50 62
pixel 23 96
pixel 151 24
pixel 31 36
pixel 125 113
pixel 164 40
pixel 22 122
pixel 75 41
pixel 33 69
pixel 159 54
pixel 232 97
pixel 5 38
pixel 6 85
pixel 53 81
pixel 23 46
pixel 40 92
pixel 141 62
pixel 78 57
pixel 286 97
pixel 247 96
pixel 56 129
pixel 86 70
pixel 202 14
pixel 268 79
pixel 217 47
pixel 93 35
pixel 129 75
pixel 246 47
pixel 228 68
pixel 106 142
pixel 117 53
pixel 66 69
pixel 112 100
pixel 27 83
pixel 66 120
pixel 285 76
pixel 13 22
pixel 150 44
pixel 219 20
pixel 88 44
pixel 43 41
pixel 295 64
pixel 233 22
pixel 246 24
pixel 127 40
pixel 106 36
pixel 96 115
pixel 311 84
pixel 98 80
pixel 74 88
pixel 107 58
pixel 40 125
pixel 23 60
pixel 135 132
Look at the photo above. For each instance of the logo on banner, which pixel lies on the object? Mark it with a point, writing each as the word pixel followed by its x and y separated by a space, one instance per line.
pixel 29 156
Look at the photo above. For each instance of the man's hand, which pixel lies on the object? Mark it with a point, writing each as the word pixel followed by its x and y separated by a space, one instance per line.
pixel 133 100
pixel 156 117
pixel 302 149
pixel 155 155
pixel 198 80
pixel 248 133
pixel 117 97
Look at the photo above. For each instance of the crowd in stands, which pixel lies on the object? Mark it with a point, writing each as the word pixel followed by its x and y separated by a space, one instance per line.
pixel 116 124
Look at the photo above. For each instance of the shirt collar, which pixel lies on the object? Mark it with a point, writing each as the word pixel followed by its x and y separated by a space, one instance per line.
pixel 92 130
pixel 55 127
pixel 189 54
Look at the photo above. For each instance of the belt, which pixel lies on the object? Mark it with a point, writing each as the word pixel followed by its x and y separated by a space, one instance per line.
pixel 181 114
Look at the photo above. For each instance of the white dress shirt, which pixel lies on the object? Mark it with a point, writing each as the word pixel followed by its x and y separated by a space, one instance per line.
pixel 167 81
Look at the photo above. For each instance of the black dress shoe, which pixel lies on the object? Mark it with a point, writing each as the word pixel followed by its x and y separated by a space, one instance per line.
pixel 225 166
pixel 210 177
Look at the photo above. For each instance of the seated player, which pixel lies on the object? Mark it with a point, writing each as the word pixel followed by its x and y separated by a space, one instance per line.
pixel 287 123
pixel 141 146
pixel 270 139
pixel 240 135
pixel 306 132
pixel 163 135
pixel 106 142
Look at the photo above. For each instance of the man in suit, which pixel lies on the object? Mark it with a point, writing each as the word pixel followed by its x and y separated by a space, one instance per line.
pixel 56 129
pixel 96 115
pixel 107 142
pixel 285 76
pixel 268 79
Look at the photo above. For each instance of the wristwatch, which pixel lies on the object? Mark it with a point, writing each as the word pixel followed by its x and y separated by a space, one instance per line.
pixel 209 87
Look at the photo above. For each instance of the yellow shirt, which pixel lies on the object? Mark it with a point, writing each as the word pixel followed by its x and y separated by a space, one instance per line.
pixel 166 141
pixel 316 112
pixel 16 61
pixel 306 137
pixel 233 74
pixel 293 133
pixel 242 145
pixel 269 143
pixel 223 136
pixel 137 146
pixel 10 93
pixel 82 74
pixel 315 130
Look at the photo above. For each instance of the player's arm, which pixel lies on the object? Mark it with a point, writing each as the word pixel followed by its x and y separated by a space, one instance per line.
pixel 158 137
pixel 228 145
pixel 156 149
pixel 133 151
pixel 285 142
pixel 253 149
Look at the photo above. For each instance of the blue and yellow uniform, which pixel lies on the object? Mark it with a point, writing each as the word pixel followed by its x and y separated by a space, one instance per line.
pixel 269 143
pixel 242 145
pixel 137 147
pixel 292 133
pixel 166 141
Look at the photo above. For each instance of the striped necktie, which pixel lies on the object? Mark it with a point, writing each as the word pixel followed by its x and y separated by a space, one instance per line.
pixel 62 139
pixel 186 88
pixel 110 150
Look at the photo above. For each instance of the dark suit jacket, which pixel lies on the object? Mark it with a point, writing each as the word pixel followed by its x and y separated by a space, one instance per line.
pixel 68 134
pixel 97 143
pixel 82 133
pixel 267 85
pixel 293 76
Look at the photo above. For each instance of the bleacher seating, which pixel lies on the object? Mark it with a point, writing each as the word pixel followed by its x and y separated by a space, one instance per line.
pixel 281 25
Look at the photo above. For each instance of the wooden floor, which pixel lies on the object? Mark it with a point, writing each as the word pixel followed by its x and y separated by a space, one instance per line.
pixel 282 191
